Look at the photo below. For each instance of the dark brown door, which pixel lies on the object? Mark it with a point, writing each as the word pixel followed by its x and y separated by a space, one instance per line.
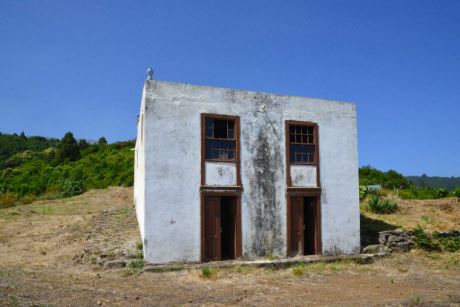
pixel 212 229
pixel 297 226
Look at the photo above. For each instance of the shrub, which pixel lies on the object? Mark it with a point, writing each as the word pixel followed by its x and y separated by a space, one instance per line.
pixel 69 187
pixel 450 243
pixel 441 193
pixel 376 205
pixel 425 241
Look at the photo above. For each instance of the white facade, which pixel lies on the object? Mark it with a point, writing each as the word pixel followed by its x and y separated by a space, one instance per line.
pixel 168 170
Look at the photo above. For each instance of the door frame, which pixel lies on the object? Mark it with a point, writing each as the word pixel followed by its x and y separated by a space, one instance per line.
pixel 304 192
pixel 210 192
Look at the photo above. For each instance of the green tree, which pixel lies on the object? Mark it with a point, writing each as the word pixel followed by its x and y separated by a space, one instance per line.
pixel 83 144
pixel 102 141
pixel 68 149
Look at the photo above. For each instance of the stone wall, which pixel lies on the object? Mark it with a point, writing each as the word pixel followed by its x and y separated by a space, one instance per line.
pixel 391 241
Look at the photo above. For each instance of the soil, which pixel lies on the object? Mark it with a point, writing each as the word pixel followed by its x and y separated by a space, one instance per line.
pixel 56 253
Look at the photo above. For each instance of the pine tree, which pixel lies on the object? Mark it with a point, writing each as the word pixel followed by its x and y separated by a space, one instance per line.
pixel 68 149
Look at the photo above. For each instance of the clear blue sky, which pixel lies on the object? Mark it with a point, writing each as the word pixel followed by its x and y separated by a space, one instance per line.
pixel 80 65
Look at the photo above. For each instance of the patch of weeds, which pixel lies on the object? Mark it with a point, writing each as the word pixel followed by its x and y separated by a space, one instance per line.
pixel 449 243
pixel 271 257
pixel 415 300
pixel 136 264
pixel 299 269
pixel 129 272
pixel 243 269
pixel 208 273
pixel 140 255
pixel 139 245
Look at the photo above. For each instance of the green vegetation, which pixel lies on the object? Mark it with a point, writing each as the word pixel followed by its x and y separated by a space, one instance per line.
pixel 379 206
pixel 391 179
pixel 436 242
pixel 415 188
pixel 208 273
pixel 435 182
pixel 136 264
pixel 48 168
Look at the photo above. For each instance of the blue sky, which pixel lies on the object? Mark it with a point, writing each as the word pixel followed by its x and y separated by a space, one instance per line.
pixel 79 65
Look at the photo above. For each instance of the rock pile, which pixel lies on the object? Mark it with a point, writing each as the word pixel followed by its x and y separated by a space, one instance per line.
pixel 391 241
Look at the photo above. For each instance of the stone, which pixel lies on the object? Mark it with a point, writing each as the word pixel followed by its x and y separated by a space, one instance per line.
pixel 394 238
pixel 372 249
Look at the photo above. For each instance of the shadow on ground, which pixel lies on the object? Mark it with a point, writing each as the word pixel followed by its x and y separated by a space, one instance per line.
pixel 370 229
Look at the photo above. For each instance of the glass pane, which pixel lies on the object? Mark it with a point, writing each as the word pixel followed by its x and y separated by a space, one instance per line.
pixel 231 134
pixel 209 127
pixel 310 148
pixel 208 150
pixel 291 129
pixel 231 155
pixel 292 153
pixel 220 128
pixel 231 124
pixel 304 129
pixel 297 138
pixel 310 139
pixel 231 145
pixel 310 130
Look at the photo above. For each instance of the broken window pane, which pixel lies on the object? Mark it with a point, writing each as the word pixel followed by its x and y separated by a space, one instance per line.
pixel 220 139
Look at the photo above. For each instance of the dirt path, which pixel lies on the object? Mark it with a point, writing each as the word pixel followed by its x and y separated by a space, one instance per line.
pixel 50 252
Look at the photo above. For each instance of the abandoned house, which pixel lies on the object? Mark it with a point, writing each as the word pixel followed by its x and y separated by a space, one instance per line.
pixel 224 174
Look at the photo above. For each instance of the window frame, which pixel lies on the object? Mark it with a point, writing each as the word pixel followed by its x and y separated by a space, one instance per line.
pixel 236 129
pixel 315 141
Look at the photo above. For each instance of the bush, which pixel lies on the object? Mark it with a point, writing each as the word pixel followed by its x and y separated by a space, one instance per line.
pixel 376 205
pixel 450 243
pixel 299 269
pixel 425 241
pixel 69 187
pixel 441 193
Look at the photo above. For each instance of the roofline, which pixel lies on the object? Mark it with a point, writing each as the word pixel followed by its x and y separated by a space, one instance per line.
pixel 248 91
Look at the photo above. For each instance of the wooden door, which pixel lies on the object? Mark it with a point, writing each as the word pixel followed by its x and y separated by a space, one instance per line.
pixel 212 229
pixel 297 226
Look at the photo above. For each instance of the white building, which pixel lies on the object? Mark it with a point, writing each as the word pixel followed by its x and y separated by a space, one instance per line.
pixel 224 173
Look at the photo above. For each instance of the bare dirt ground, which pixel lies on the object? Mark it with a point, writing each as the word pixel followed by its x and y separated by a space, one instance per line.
pixel 50 253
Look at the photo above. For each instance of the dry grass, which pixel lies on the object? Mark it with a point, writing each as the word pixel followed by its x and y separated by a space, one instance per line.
pixel 431 215
pixel 42 243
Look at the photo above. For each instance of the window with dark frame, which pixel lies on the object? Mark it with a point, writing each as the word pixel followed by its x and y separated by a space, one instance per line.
pixel 302 144
pixel 220 139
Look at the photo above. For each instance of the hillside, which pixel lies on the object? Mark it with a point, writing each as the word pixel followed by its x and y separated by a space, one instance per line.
pixel 37 167
pixel 435 182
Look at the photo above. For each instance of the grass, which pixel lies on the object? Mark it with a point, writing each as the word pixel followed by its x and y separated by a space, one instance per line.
pixel 209 272
pixel 136 264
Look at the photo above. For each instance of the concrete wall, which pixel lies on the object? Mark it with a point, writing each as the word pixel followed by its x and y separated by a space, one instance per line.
pixel 172 153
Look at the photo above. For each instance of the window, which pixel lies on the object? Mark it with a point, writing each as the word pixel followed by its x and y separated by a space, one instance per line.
pixel 220 139
pixel 302 144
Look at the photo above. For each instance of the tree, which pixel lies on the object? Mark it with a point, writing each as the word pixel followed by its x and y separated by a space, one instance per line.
pixel 82 144
pixel 102 141
pixel 68 149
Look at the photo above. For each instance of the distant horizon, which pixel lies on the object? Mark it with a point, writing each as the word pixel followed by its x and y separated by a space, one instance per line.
pixel 80 67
